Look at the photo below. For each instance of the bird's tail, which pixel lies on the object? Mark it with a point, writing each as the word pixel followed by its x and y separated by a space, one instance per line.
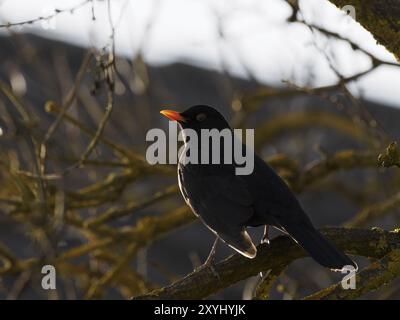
pixel 324 252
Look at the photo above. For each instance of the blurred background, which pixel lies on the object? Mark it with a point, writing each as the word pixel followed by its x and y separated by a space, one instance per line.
pixel 81 83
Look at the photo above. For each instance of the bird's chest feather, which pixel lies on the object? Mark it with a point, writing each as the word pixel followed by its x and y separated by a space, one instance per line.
pixel 215 193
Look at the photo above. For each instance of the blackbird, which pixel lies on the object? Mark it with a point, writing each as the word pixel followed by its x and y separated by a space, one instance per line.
pixel 227 203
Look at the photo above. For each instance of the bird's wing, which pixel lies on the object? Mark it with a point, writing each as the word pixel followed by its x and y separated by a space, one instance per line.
pixel 273 196
pixel 224 204
pixel 225 198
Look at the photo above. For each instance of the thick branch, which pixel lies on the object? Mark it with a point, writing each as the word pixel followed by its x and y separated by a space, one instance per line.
pixel 200 284
pixel 381 18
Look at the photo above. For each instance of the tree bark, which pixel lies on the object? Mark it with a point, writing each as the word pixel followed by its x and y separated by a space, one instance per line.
pixel 375 243
pixel 381 18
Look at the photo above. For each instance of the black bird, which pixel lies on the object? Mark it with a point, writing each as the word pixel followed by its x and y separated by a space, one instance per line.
pixel 228 203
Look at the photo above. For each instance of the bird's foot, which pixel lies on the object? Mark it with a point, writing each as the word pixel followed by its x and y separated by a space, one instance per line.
pixel 209 265
pixel 265 240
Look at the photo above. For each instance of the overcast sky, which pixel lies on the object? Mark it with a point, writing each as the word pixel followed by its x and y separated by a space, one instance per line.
pixel 256 36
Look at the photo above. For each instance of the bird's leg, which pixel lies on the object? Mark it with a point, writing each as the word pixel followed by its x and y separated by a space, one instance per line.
pixel 209 263
pixel 211 256
pixel 265 238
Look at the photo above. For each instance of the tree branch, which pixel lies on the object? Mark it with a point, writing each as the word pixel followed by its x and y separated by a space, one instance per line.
pixel 375 211
pixel 381 18
pixel 200 284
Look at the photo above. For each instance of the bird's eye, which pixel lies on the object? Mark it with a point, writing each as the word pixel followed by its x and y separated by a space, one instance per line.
pixel 201 117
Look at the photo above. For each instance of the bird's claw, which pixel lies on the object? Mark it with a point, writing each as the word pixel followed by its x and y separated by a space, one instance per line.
pixel 265 240
pixel 210 266
pixel 214 272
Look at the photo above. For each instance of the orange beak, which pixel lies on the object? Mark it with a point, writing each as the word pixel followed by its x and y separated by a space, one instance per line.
pixel 173 115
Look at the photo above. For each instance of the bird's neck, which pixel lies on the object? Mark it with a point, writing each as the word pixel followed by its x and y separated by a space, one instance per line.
pixel 209 147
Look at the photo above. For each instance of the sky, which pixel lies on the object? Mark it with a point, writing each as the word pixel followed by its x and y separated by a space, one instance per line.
pixel 256 38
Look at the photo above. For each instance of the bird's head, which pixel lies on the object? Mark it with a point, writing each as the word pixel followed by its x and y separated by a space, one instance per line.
pixel 197 118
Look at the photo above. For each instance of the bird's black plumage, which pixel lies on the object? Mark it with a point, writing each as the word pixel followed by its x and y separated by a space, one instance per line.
pixel 228 203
